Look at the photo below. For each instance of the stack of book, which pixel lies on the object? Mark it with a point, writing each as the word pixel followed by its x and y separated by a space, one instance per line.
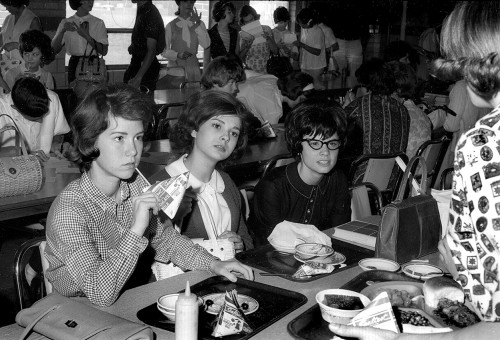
pixel 360 233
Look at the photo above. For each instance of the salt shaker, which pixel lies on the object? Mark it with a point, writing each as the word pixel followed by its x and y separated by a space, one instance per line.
pixel 186 315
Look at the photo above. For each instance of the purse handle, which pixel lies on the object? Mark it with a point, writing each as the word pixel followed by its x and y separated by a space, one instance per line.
pixel 408 174
pixel 19 138
pixel 29 328
pixel 90 54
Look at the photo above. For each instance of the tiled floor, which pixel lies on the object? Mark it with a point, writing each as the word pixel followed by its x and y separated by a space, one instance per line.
pixel 10 240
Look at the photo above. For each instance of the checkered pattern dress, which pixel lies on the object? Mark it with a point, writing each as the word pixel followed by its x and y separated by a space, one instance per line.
pixel 91 250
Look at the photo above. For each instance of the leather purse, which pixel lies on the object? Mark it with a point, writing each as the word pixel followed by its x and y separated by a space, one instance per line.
pixel 58 317
pixel 410 227
pixel 19 175
pixel 278 65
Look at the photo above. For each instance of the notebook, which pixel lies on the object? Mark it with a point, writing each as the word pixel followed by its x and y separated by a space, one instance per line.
pixel 363 234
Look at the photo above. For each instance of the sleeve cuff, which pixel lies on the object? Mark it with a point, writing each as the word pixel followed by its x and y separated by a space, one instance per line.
pixel 132 244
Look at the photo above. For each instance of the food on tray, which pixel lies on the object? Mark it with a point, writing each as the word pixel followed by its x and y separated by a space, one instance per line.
pixel 214 302
pixel 414 318
pixel 399 298
pixel 231 318
pixel 440 287
pixel 455 313
pixel 312 268
pixel 378 313
pixel 343 302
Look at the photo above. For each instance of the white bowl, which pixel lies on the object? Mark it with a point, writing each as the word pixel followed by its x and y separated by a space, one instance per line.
pixel 378 263
pixel 281 248
pixel 166 305
pixel 313 251
pixel 336 315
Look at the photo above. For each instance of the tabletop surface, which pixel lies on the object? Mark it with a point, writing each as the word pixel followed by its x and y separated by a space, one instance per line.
pixel 174 96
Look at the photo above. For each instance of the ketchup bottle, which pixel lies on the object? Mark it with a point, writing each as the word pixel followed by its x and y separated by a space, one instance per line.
pixel 186 315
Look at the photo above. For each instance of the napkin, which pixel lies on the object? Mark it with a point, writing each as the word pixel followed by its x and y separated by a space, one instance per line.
pixel 289 234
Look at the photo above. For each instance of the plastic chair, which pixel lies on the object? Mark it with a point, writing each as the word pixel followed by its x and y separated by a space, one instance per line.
pixel 247 193
pixel 434 152
pixel 366 200
pixel 171 77
pixel 26 296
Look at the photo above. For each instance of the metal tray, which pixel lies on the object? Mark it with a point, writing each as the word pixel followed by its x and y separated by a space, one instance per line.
pixel 310 324
pixel 268 259
pixel 274 303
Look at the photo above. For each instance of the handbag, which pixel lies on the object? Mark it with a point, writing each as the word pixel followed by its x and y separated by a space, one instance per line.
pixel 58 317
pixel 90 72
pixel 410 227
pixel 19 175
pixel 278 65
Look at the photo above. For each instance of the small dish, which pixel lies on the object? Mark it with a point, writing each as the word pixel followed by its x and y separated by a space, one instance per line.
pixel 422 271
pixel 218 301
pixel 313 251
pixel 335 259
pixel 379 264
pixel 342 316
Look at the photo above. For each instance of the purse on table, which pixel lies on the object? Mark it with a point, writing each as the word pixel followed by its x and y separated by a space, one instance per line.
pixel 58 317
pixel 278 65
pixel 410 227
pixel 19 175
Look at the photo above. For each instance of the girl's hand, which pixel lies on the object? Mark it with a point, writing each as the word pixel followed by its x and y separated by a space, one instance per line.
pixel 70 26
pixel 41 155
pixel 233 237
pixel 362 333
pixel 226 268
pixel 10 46
pixel 185 207
pixel 83 30
pixel 142 205
pixel 195 17
pixel 184 55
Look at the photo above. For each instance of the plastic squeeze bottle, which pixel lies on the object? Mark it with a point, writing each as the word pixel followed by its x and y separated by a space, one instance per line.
pixel 186 315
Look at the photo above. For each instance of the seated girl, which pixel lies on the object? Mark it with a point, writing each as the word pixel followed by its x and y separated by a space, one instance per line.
pixel 101 236
pixel 210 132
pixel 36 50
pixel 311 190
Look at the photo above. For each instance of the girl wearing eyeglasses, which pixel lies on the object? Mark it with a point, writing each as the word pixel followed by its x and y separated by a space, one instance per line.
pixel 311 190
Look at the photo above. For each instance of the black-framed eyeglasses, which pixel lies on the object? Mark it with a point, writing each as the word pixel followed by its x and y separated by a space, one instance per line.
pixel 315 144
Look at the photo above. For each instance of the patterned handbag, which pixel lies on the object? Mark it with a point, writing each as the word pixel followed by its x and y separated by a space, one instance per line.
pixel 19 175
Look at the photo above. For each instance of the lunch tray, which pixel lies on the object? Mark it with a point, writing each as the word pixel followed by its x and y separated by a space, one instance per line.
pixel 274 303
pixel 268 259
pixel 310 325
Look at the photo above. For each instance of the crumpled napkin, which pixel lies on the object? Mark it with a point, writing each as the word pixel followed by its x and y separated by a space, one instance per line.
pixel 289 234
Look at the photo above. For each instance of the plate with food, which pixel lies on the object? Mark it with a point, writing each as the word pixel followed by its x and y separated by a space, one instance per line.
pixel 401 293
pixel 335 259
pixel 214 302
pixel 422 271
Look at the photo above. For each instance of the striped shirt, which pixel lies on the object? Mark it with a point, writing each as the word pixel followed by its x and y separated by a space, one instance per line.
pixel 91 250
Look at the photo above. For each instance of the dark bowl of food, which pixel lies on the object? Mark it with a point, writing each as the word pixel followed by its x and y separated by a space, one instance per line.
pixel 340 305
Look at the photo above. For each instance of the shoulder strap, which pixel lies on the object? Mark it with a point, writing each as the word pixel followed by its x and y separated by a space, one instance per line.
pixel 19 139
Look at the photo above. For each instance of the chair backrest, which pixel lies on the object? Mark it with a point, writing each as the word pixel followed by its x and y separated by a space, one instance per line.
pixel 26 297
pixel 277 161
pixel 434 152
pixel 171 77
pixel 247 193
pixel 365 199
pixel 45 266
pixel 446 181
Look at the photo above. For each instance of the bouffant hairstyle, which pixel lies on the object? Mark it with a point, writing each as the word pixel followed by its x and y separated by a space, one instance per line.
pixel 30 97
pixel 292 85
pixel 219 10
pixel 15 3
pixel 377 76
pixel 405 78
pixel 221 70
pixel 307 16
pixel 470 44
pixel 281 14
pixel 92 117
pixel 314 117
pixel 34 38
pixel 200 108
pixel 246 10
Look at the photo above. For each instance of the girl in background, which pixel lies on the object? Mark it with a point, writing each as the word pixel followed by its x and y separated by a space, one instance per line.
pixel 224 39
pixel 283 37
pixel 36 49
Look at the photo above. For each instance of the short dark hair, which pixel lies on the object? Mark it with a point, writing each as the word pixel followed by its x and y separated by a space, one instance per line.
pixel 91 117
pixel 15 3
pixel 178 2
pixel 317 117
pixel 30 97
pixel 377 77
pixel 219 10
pixel 246 10
pixel 34 38
pixel 75 4
pixel 293 84
pixel 201 107
pixel 281 14
pixel 396 50
pixel 307 16
pixel 221 70
pixel 405 78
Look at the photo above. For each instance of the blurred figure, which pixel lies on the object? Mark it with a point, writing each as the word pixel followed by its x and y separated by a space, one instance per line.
pixel 224 38
pixel 283 37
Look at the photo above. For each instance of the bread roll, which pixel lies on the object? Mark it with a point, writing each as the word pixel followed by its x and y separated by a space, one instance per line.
pixel 440 287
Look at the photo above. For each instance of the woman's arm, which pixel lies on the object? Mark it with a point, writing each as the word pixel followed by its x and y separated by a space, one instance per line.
pixel 146 63
pixel 268 34
pixel 310 49
pixel 57 41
